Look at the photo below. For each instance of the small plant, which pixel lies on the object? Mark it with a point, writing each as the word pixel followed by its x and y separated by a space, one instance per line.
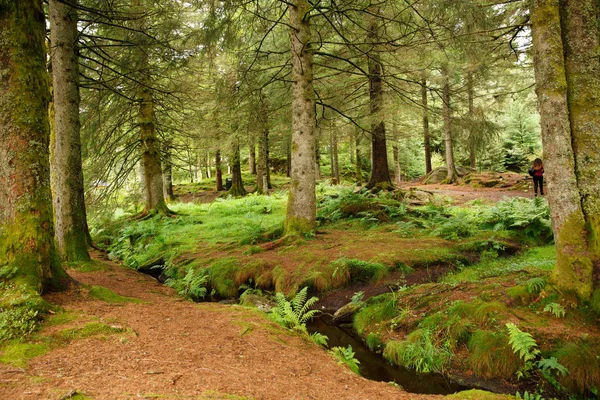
pixel 525 346
pixel 420 352
pixel 529 396
pixel 345 355
pixel 555 309
pixel 192 286
pixel 357 298
pixel 295 313
pixel 535 285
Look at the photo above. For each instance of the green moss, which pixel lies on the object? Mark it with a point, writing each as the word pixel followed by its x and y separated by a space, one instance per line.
pixel 88 266
pixel 378 309
pixel 92 329
pixel 475 394
pixel 519 294
pixel 108 296
pixel 18 353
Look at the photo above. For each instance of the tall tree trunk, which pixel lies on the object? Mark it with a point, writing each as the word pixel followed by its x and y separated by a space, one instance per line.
pixel 451 177
pixel 218 172
pixel 302 207
pixel 153 183
pixel 573 271
pixel 27 247
pixel 252 155
pixel 318 153
pixel 472 132
pixel 168 172
pixel 426 135
pixel 237 185
pixel 262 169
pixel 335 166
pixel 359 166
pixel 66 173
pixel 396 155
pixel 380 174
pixel 581 39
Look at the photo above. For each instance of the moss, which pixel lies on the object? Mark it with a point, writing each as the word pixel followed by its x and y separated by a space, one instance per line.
pixel 108 296
pixel 595 302
pixel 92 329
pixel 574 267
pixel 519 294
pixel 18 353
pixel 295 226
pixel 476 394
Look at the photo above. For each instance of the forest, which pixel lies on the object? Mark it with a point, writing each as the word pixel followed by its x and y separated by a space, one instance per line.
pixel 273 199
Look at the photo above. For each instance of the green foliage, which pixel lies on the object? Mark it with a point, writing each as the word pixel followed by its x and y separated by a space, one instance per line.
pixel 525 346
pixel 357 298
pixel 379 308
pixel 555 309
pixel 529 396
pixel 531 217
pixel 20 311
pixel 420 352
pixel 551 364
pixel 373 342
pixel 491 354
pixel 535 285
pixel 192 285
pixel 345 355
pixel 295 313
pixel 108 296
pixel 360 270
pixel 319 338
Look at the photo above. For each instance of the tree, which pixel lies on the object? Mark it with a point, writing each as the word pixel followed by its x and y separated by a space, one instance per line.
pixel 560 72
pixel 27 251
pixel 302 203
pixel 65 163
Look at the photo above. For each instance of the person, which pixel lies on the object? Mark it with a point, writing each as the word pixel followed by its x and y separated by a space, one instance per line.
pixel 537 172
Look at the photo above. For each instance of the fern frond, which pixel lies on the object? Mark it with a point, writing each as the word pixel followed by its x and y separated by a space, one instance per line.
pixel 300 298
pixel 522 343
pixel 552 364
pixel 535 285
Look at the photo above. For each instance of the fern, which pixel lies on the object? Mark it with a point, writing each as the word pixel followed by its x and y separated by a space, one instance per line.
pixel 535 285
pixel 345 355
pixel 555 309
pixel 295 313
pixel 319 338
pixel 551 364
pixel 522 343
pixel 529 396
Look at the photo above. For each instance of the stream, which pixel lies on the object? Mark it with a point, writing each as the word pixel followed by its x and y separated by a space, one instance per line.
pixel 373 366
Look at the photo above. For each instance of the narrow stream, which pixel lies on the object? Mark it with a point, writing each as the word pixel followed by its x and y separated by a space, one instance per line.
pixel 374 367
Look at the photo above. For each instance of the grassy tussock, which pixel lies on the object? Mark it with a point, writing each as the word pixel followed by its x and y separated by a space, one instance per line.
pixel 492 356
pixel 581 359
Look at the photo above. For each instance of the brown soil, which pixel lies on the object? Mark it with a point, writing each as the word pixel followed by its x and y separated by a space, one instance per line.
pixel 177 349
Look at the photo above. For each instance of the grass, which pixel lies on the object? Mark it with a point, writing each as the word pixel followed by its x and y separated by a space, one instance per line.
pixel 108 296
pixel 88 266
pixel 18 354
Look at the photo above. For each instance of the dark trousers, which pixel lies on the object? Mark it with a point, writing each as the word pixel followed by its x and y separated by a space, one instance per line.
pixel 538 181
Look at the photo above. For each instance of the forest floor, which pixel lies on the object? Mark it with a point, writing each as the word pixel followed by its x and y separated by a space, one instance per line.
pixel 154 344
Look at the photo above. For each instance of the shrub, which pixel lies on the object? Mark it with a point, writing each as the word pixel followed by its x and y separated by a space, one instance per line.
pixel 420 351
pixel 20 311
pixel 491 355
pixel 345 355
pixel 581 359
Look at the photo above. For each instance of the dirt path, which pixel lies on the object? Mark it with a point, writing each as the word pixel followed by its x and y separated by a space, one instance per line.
pixel 176 349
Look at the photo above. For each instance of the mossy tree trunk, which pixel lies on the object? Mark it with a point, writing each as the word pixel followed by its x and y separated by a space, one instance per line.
pixel 301 208
pixel 27 250
pixel 151 163
pixel 252 155
pixel 218 172
pixel 237 185
pixel 472 130
pixel 581 40
pixel 447 116
pixel 168 172
pixel 380 174
pixel 426 135
pixel 573 271
pixel 335 160
pixel 65 152
pixel 262 168
pixel 358 167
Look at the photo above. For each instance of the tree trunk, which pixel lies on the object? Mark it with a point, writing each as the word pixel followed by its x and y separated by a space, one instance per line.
pixel 426 136
pixel 573 271
pixel 252 156
pixel 66 173
pixel 153 182
pixel 262 170
pixel 451 177
pixel 335 167
pixel 27 251
pixel 472 132
pixel 218 172
pixel 318 153
pixel 581 38
pixel 301 209
pixel 237 185
pixel 168 173
pixel 358 171
pixel 380 175
pixel 396 155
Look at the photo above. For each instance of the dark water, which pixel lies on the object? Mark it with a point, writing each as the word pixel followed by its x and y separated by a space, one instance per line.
pixel 375 367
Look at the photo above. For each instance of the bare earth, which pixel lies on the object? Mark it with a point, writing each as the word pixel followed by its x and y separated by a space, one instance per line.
pixel 175 349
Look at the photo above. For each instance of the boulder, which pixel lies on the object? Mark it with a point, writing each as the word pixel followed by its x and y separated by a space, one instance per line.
pixel 346 313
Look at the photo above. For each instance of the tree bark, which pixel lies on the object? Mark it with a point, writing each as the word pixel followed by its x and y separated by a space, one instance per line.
pixel 301 209
pixel 168 173
pixel 335 166
pixel 447 114
pixel 426 135
pixel 472 133
pixel 237 185
pixel 218 172
pixel 380 174
pixel 573 271
pixel 252 156
pixel 581 38
pixel 66 173
pixel 358 170
pixel 27 251
pixel 262 169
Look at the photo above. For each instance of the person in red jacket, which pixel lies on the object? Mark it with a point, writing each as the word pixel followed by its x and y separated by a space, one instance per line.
pixel 537 172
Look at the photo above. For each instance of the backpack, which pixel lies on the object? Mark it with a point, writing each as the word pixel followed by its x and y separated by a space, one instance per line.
pixel 531 171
